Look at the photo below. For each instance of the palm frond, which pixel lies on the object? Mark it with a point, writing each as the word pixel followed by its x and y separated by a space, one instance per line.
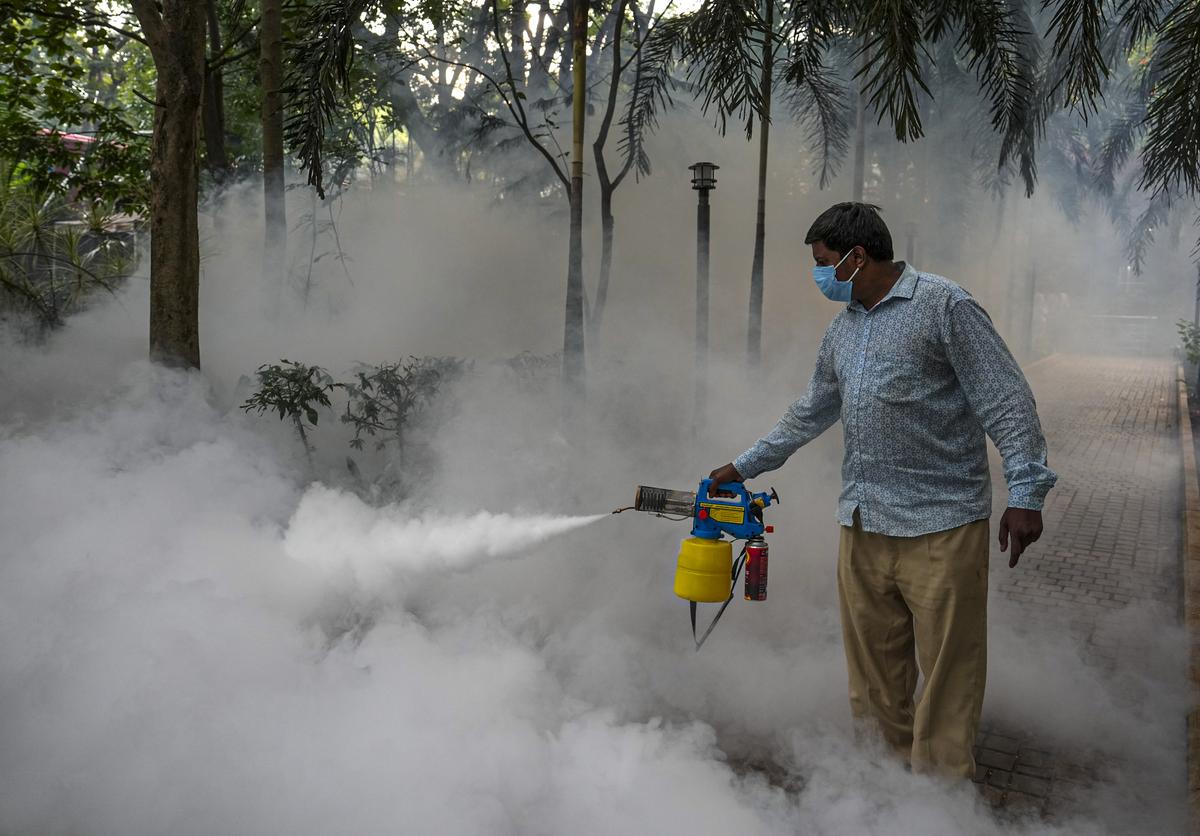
pixel 1196 249
pixel 816 97
pixel 891 64
pixel 996 39
pixel 651 90
pixel 1119 141
pixel 1079 28
pixel 820 103
pixel 1137 19
pixel 320 62
pixel 1171 156
pixel 1141 234
pixel 720 47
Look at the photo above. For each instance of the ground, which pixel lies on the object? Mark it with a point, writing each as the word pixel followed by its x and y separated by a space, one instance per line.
pixel 1112 539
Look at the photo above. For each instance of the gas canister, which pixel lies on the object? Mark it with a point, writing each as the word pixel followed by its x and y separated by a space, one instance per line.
pixel 756 569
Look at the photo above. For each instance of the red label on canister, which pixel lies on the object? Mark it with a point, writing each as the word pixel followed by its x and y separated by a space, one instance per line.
pixel 756 570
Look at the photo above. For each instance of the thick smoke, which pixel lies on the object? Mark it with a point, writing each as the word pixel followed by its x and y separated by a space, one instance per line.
pixel 195 639
pixel 336 530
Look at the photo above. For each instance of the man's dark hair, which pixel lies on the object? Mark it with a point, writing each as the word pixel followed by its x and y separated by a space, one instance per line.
pixel 844 226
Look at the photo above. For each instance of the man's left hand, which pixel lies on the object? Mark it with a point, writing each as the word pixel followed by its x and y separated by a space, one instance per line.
pixel 1024 526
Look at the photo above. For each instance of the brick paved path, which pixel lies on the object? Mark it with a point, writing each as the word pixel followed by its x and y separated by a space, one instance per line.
pixel 1113 519
pixel 1112 538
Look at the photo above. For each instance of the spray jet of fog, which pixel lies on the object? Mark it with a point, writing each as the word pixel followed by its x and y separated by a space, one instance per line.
pixel 332 529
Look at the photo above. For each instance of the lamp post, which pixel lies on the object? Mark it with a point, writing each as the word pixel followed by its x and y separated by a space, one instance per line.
pixel 704 180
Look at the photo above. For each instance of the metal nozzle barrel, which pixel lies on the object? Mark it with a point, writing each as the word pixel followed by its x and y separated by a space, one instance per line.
pixel 664 501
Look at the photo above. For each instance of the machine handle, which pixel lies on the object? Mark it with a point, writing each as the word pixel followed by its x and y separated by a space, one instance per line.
pixel 736 488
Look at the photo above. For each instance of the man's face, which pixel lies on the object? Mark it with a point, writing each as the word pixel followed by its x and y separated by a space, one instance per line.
pixel 825 257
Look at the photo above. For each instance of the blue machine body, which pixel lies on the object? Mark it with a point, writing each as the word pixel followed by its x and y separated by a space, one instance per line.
pixel 739 516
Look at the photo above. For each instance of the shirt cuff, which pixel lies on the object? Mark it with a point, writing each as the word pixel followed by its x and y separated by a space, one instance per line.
pixel 1027 498
pixel 745 465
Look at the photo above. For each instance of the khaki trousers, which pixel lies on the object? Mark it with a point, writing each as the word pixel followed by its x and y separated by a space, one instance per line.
pixel 910 600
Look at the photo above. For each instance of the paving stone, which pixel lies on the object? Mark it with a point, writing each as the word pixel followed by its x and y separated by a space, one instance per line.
pixel 1002 743
pixel 1034 771
pixel 999 778
pixel 1075 773
pixel 992 795
pixel 1031 785
pixel 1035 757
pixel 1019 802
pixel 1112 539
pixel 995 760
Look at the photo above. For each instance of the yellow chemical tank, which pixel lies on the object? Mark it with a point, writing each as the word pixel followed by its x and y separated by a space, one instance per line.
pixel 703 571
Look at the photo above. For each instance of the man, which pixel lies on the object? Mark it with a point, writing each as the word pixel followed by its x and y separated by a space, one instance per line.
pixel 917 373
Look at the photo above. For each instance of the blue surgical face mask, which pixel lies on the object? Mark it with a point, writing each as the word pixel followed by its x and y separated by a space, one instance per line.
pixel 827 281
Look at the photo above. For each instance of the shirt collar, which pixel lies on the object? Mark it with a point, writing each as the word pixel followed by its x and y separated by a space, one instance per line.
pixel 904 288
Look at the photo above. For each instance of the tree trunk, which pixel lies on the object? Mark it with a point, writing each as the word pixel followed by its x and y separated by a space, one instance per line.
pixel 176 38
pixel 566 55
pixel 860 134
pixel 539 75
pixel 754 329
pixel 573 346
pixel 1196 312
pixel 519 23
pixel 271 79
pixel 1031 314
pixel 607 230
pixel 420 130
pixel 607 184
pixel 215 155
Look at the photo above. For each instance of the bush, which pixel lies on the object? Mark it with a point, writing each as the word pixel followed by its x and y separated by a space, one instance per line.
pixel 382 404
pixel 534 372
pixel 54 255
pixel 1189 334
pixel 385 398
pixel 294 390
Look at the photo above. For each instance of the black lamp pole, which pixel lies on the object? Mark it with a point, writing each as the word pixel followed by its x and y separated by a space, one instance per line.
pixel 703 181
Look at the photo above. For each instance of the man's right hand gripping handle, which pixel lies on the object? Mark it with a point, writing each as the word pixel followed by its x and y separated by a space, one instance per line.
pixel 724 473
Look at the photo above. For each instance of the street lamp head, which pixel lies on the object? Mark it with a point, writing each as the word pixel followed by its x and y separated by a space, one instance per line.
pixel 704 175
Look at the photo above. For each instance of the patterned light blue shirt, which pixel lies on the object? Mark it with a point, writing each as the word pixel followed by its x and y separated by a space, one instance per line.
pixel 916 380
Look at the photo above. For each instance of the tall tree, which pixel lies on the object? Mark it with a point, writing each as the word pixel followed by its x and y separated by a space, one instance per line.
pixel 174 31
pixel 860 138
pixel 754 328
pixel 607 183
pixel 632 128
pixel 271 78
pixel 322 75
pixel 573 328
pixel 213 112
pixel 730 50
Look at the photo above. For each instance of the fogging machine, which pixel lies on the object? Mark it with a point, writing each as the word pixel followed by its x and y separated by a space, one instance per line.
pixel 706 571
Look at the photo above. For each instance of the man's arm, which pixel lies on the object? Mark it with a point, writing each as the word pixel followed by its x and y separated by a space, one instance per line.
pixel 815 412
pixel 1001 398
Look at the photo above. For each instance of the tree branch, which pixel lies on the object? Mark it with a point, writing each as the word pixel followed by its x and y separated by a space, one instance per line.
pixel 614 85
pixel 236 39
pixel 230 59
pixel 150 18
pixel 84 18
pixel 517 111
